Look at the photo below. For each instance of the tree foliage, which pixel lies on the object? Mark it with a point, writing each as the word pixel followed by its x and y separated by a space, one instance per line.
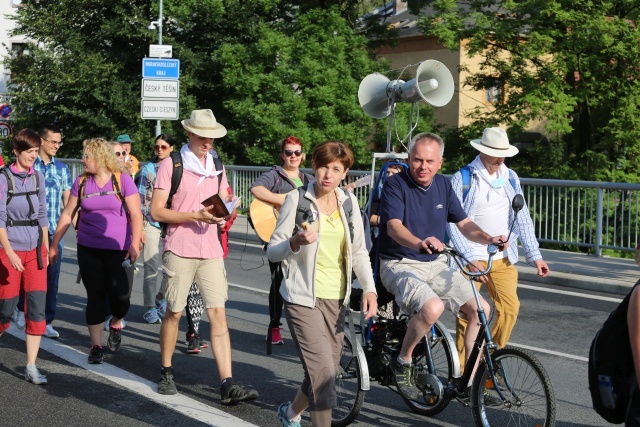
pixel 267 68
pixel 571 65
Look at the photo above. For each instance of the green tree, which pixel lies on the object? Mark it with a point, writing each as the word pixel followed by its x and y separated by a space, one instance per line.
pixel 570 64
pixel 83 71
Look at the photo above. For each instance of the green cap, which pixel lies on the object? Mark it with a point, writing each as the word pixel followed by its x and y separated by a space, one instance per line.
pixel 124 138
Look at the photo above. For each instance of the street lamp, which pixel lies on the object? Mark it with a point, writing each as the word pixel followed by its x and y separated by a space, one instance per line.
pixel 152 26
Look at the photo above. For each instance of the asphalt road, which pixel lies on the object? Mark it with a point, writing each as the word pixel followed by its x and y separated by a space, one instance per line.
pixel 556 325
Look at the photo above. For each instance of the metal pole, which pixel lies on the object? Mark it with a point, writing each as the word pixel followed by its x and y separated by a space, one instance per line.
pixel 158 126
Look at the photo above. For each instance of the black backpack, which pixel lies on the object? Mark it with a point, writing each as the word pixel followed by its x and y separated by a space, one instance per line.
pixel 611 372
pixel 176 177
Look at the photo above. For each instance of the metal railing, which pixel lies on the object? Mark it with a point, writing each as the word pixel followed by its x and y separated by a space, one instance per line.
pixel 586 214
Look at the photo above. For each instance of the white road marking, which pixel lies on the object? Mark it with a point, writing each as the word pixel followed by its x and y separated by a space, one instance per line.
pixel 573 294
pixel 179 403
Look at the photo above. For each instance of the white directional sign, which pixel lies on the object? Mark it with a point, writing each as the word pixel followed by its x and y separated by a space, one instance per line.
pixel 167 89
pixel 160 109
pixel 160 50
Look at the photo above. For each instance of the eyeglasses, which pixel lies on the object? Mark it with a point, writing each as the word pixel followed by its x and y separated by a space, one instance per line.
pixel 290 153
pixel 58 143
pixel 161 147
pixel 119 153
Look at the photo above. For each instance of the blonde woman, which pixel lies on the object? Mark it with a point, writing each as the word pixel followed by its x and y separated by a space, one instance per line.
pixel 317 280
pixel 109 229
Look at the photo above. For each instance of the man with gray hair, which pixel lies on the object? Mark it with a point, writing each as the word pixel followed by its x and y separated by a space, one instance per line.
pixel 415 207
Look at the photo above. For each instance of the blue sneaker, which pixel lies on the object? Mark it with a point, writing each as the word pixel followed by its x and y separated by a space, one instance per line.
pixel 282 416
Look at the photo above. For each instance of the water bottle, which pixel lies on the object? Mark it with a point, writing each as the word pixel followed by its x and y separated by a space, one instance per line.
pixel 607 394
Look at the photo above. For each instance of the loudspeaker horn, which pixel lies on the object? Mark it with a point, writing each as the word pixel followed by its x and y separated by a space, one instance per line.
pixel 433 84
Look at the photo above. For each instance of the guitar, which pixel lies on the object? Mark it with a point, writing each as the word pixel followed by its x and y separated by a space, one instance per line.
pixel 264 215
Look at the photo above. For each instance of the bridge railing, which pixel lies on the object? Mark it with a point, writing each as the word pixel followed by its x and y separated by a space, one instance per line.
pixel 586 214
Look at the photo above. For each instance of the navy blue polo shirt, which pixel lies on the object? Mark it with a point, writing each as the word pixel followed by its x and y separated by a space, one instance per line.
pixel 424 211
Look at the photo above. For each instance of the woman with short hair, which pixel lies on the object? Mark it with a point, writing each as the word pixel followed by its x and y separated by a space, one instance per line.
pixel 24 239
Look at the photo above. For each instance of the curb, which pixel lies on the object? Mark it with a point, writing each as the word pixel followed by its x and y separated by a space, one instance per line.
pixel 572 280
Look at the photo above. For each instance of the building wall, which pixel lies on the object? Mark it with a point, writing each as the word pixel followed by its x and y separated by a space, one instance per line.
pixel 7 8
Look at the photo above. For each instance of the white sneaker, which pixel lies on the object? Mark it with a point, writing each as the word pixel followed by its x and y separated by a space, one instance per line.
pixel 18 319
pixel 151 316
pixel 106 323
pixel 51 333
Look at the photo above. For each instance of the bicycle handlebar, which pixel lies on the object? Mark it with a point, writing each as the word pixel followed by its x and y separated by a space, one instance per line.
pixel 457 257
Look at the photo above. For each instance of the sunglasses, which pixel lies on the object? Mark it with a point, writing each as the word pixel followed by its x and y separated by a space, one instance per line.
pixel 161 147
pixel 119 153
pixel 290 153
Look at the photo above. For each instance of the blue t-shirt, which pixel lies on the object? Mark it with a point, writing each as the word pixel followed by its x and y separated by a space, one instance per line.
pixel 424 211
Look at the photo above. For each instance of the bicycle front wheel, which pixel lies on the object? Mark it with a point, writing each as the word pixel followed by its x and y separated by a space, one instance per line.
pixel 349 393
pixel 523 381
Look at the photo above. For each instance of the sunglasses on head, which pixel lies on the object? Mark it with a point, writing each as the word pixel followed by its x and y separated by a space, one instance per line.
pixel 119 153
pixel 290 153
pixel 161 147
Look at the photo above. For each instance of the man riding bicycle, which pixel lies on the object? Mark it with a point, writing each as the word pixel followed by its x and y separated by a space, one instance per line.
pixel 416 206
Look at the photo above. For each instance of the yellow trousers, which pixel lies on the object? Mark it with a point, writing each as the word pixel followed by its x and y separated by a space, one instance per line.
pixel 502 287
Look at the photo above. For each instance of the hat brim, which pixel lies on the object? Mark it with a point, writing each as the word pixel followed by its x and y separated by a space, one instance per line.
pixel 216 132
pixel 494 152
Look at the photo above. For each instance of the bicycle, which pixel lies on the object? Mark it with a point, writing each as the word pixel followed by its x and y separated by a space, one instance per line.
pixel 510 375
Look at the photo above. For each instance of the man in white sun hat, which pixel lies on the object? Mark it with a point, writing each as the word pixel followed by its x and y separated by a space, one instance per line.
pixel 485 188
pixel 193 252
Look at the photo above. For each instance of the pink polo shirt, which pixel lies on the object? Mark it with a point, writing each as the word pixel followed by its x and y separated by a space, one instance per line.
pixel 194 239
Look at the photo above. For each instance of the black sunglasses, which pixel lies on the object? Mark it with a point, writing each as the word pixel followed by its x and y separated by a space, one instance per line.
pixel 290 153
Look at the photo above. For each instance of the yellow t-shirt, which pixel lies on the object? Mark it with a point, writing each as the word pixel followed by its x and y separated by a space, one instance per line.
pixel 331 280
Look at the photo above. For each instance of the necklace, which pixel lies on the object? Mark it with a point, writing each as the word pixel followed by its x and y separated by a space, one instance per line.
pixel 326 204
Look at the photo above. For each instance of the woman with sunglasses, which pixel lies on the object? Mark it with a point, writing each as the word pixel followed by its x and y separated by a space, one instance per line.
pixel 120 153
pixel 271 187
pixel 145 179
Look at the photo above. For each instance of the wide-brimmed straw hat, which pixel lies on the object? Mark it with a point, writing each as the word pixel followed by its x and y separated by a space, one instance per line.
pixel 495 143
pixel 203 123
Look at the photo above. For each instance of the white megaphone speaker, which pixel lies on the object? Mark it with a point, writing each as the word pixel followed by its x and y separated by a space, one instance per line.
pixel 433 84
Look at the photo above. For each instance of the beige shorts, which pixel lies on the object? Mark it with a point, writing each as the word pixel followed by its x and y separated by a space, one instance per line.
pixel 415 282
pixel 180 273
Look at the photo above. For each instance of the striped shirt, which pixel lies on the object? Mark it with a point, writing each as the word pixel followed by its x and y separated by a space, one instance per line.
pixel 57 179
pixel 146 180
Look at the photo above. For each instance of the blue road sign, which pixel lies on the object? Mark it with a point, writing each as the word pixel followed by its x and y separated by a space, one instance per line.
pixel 154 68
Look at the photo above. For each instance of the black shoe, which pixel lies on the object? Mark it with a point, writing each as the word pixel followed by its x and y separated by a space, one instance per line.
pixel 236 393
pixel 403 380
pixel 115 339
pixel 193 346
pixel 96 355
pixel 202 343
pixel 166 384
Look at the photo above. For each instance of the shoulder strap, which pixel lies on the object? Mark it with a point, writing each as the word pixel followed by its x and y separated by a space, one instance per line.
pixel 116 181
pixel 512 179
pixel 348 210
pixel 218 164
pixel 303 211
pixel 466 181
pixel 176 177
pixel 10 182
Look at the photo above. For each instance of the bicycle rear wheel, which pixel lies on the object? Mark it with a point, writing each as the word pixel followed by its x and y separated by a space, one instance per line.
pixel 524 383
pixel 349 393
pixel 442 355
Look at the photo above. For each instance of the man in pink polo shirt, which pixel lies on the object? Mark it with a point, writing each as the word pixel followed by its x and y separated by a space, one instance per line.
pixel 192 251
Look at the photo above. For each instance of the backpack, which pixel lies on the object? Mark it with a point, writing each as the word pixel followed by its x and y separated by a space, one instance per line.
pixel 4 169
pixel 116 182
pixel 176 177
pixel 611 371
pixel 304 214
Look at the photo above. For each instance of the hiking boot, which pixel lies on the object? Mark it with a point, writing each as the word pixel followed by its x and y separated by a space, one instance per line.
pixel 282 416
pixel 151 316
pixel 193 347
pixel 166 384
pixel 96 355
pixel 18 319
pixel 236 393
pixel 34 376
pixel 115 339
pixel 276 337
pixel 50 332
pixel 403 380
